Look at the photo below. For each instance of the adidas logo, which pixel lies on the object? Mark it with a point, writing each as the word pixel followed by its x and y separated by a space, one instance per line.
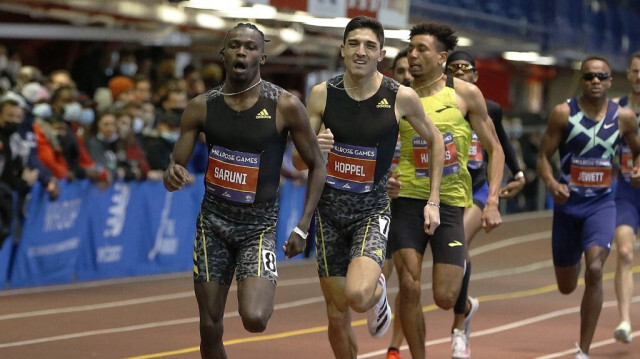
pixel 383 104
pixel 378 252
pixel 262 115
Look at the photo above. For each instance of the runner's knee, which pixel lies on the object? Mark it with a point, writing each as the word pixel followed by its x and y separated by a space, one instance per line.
pixel 255 321
pixel 445 298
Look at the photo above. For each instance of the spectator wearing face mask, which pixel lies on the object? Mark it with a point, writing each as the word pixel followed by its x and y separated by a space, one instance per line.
pixel 14 177
pixel 128 64
pixel 159 146
pixel 114 148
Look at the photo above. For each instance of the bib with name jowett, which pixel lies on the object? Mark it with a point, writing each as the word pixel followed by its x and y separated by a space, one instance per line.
pixel 590 175
pixel 421 156
pixel 351 168
pixel 233 175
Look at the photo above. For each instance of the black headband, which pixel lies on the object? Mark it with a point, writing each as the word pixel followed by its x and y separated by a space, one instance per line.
pixel 461 55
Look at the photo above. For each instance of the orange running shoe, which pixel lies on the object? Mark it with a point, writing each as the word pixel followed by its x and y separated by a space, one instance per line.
pixel 393 354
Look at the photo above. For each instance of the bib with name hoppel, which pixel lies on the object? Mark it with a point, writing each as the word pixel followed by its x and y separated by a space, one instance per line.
pixel 233 175
pixel 351 168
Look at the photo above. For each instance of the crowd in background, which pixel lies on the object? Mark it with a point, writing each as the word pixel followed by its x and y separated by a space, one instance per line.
pixel 121 124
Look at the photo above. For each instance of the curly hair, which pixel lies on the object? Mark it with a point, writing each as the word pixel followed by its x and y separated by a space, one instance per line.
pixel 443 33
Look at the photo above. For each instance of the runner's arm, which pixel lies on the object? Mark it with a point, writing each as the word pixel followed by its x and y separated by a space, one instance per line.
pixel 629 132
pixel 315 109
pixel 549 144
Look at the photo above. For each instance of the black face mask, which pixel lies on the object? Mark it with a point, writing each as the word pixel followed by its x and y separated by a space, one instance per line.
pixel 177 111
pixel 9 128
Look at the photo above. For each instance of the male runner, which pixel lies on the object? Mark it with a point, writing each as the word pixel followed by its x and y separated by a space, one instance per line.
pixel 447 101
pixel 246 122
pixel 586 131
pixel 361 109
pixel 628 212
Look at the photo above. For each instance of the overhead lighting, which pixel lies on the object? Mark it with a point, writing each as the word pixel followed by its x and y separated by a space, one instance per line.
pixel 392 51
pixel 464 41
pixel 213 5
pixel 257 11
pixel 132 8
pixel 171 14
pixel 325 22
pixel 530 57
pixel 210 21
pixel 397 34
pixel 520 56
pixel 291 36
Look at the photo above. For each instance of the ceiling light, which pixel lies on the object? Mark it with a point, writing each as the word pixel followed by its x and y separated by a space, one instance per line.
pixel 210 21
pixel 520 56
pixel 171 14
pixel 291 36
pixel 213 5
pixel 464 41
pixel 325 22
pixel 256 11
pixel 397 34
pixel 392 51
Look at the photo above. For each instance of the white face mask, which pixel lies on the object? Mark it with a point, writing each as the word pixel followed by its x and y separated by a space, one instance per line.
pixel 170 136
pixel 138 124
pixel 111 139
pixel 72 111
pixel 42 110
pixel 128 68
pixel 87 116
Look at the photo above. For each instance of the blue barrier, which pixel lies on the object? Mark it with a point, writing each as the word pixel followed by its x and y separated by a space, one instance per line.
pixel 128 229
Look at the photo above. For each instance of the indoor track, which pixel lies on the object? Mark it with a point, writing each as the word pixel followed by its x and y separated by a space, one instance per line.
pixel 521 315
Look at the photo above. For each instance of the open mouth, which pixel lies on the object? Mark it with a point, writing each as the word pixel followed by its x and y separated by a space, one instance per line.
pixel 239 66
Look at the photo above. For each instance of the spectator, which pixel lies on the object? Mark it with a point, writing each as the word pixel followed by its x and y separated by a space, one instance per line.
pixel 60 78
pixel 13 175
pixel 193 81
pixel 122 90
pixel 142 87
pixel 159 147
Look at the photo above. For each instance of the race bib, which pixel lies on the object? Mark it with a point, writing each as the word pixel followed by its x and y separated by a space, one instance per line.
pixel 626 162
pixel 475 153
pixel 421 156
pixel 233 175
pixel 351 168
pixel 589 174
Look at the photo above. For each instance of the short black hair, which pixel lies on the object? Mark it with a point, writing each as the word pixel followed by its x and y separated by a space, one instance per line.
pixel 592 58
pixel 367 22
pixel 443 33
pixel 246 25
pixel 399 56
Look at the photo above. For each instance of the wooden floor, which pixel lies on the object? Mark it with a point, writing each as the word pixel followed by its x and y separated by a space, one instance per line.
pixel 521 315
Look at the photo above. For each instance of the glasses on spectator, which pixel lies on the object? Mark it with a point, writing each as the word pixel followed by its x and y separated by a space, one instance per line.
pixel 466 68
pixel 588 76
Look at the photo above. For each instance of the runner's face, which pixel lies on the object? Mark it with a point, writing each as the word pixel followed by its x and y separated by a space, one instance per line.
pixel 361 52
pixel 243 54
pixel 595 87
pixel 463 70
pixel 633 75
pixel 425 58
pixel 401 71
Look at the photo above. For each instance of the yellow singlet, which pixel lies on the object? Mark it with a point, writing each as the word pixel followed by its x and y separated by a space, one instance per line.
pixel 455 188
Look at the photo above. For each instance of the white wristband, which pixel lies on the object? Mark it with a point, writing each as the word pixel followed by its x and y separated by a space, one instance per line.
pixel 518 175
pixel 300 232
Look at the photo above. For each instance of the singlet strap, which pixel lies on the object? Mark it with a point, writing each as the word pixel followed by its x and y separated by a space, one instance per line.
pixel 449 81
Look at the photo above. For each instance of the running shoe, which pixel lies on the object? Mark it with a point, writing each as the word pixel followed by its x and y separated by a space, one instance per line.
pixel 379 316
pixel 475 304
pixel 623 332
pixel 580 354
pixel 393 353
pixel 460 345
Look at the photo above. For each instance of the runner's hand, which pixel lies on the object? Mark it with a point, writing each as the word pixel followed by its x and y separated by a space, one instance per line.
pixel 559 192
pixel 294 246
pixel 490 217
pixel 431 219
pixel 325 141
pixel 635 177
pixel 175 177
pixel 394 186
pixel 512 188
